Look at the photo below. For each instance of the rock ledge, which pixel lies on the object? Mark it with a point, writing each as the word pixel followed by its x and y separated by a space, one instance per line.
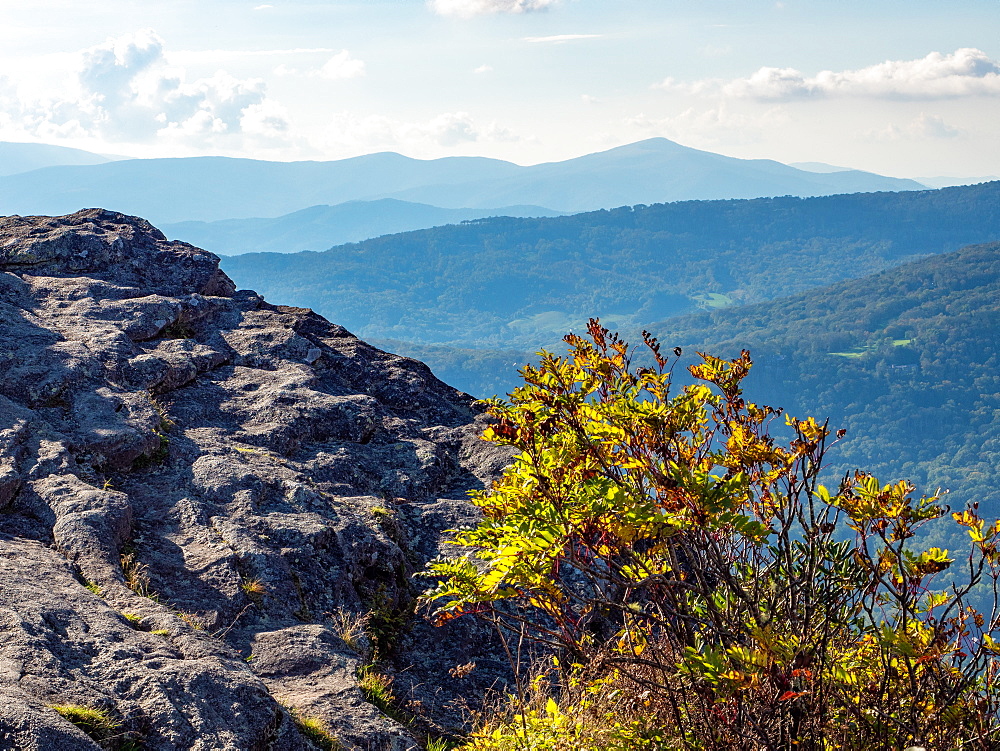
pixel 200 491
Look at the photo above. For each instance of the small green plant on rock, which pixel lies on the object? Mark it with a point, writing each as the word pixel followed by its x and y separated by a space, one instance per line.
pixel 87 583
pixel 255 589
pixel 440 744
pixel 388 616
pixel 178 330
pixel 377 690
pixel 315 730
pixel 134 620
pixel 100 725
pixel 136 574
pixel 164 425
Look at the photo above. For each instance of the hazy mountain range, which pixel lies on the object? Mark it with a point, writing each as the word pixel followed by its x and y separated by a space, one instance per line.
pixel 939 181
pixel 213 188
pixel 24 157
pixel 319 227
pixel 523 282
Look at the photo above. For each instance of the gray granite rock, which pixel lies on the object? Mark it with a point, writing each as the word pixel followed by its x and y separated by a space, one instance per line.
pixel 199 490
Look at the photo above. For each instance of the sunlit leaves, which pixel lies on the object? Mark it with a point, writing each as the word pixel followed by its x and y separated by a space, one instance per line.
pixel 639 524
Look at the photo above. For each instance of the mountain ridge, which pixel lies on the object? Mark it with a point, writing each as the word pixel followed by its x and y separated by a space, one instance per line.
pixel 508 283
pixel 16 157
pixel 319 227
pixel 217 188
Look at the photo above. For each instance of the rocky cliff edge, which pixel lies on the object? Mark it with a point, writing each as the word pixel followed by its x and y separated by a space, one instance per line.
pixel 202 494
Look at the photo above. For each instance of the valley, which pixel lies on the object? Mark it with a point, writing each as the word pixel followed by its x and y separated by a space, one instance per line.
pixel 867 309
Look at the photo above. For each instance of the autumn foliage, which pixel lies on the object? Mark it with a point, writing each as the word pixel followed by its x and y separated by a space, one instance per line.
pixel 699 587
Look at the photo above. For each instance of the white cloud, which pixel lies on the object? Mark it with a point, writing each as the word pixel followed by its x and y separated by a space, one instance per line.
pixel 934 126
pixel 470 8
pixel 923 127
pixel 127 91
pixel 449 129
pixel 771 83
pixel 265 120
pixel 10 101
pixel 264 6
pixel 963 73
pixel 484 69
pixel 339 67
pixel 342 65
pixel 561 38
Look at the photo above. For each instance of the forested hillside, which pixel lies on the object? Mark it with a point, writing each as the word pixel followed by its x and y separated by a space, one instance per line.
pixel 902 353
pixel 521 283
pixel 907 360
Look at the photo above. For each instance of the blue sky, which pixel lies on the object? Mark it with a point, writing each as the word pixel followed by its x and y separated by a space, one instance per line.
pixel 905 88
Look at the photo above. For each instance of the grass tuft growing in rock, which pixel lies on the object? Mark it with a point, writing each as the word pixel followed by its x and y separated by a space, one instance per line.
pixel 377 689
pixel 97 723
pixel 315 730
pixel 352 628
pixel 134 620
pixel 440 744
pixel 136 574
pixel 194 620
pixel 254 589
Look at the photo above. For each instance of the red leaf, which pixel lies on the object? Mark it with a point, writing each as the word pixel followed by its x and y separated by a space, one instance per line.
pixel 790 695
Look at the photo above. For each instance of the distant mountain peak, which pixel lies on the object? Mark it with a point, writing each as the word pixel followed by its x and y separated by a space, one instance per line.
pixel 654 170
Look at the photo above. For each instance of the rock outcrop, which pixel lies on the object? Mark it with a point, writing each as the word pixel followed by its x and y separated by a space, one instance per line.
pixel 202 494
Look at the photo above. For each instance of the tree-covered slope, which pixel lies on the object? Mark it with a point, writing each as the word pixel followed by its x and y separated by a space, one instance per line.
pixel 907 360
pixel 521 283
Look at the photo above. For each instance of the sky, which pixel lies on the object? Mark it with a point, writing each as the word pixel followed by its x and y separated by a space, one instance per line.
pixel 902 87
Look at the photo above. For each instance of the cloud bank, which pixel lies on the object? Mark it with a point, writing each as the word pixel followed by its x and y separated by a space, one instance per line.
pixel 470 8
pixel 966 72
pixel 127 91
